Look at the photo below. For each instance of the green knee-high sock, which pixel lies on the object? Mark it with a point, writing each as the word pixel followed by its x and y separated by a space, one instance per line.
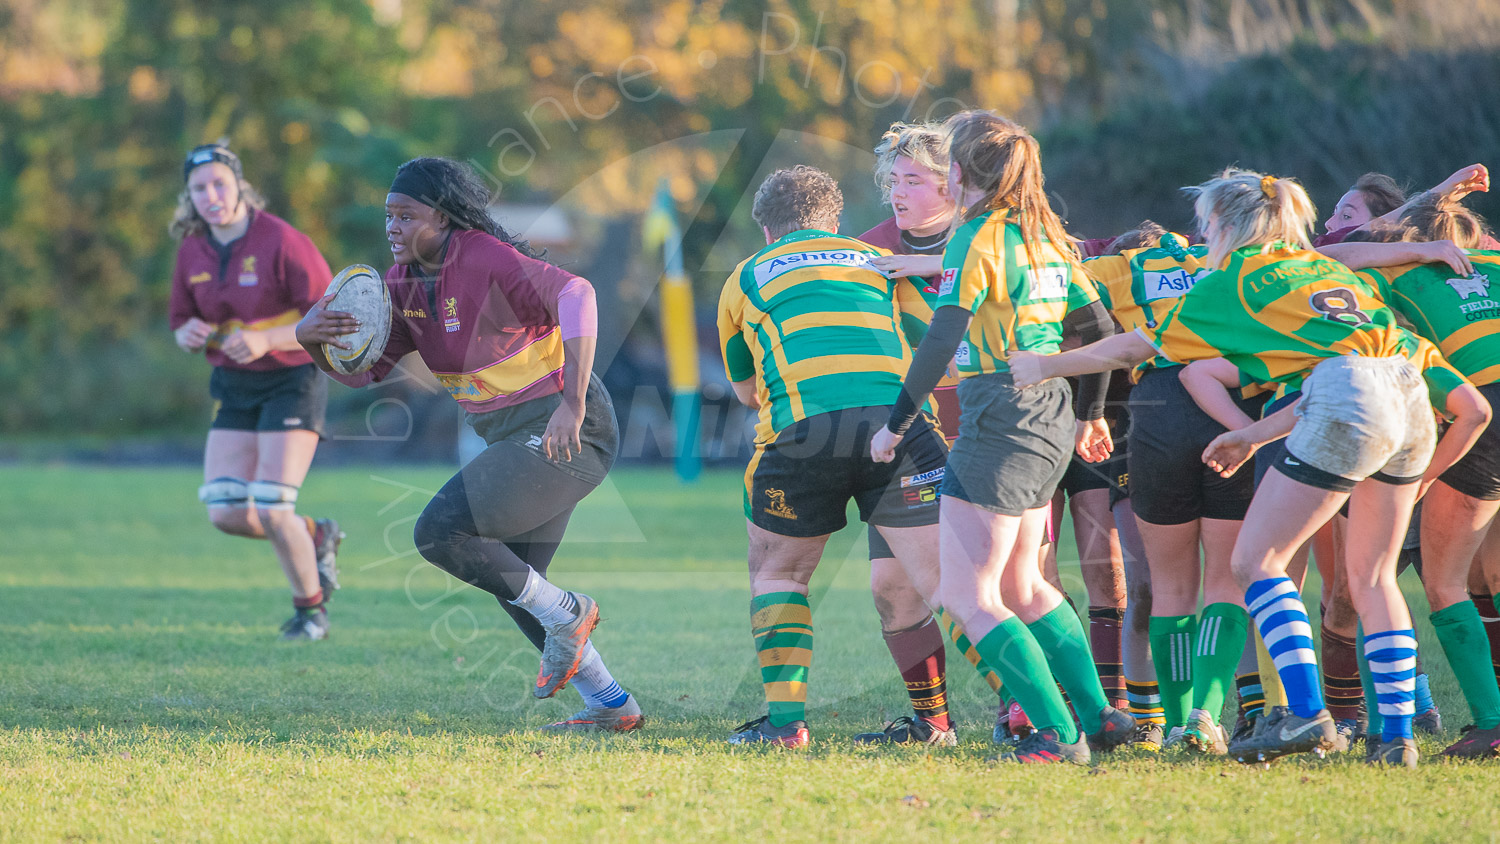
pixel 1061 637
pixel 1172 654
pixel 781 623
pixel 1221 642
pixel 961 641
pixel 1374 721
pixel 1461 633
pixel 1024 670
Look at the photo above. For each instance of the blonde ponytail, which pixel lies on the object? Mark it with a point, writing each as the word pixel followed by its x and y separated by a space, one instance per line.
pixel 1252 209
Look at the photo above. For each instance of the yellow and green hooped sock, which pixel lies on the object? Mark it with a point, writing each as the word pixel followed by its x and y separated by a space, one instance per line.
pixel 961 641
pixel 781 623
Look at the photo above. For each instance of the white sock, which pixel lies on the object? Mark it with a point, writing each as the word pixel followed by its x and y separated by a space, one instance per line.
pixel 595 683
pixel 551 606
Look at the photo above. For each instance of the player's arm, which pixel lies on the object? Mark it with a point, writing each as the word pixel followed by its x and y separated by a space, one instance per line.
pixel 189 330
pixel 1209 382
pixel 1360 256
pixel 1230 450
pixel 321 326
pixel 1122 351
pixel 1464 181
pixel 747 393
pixel 739 362
pixel 1090 324
pixel 928 365
pixel 577 311
pixel 1471 414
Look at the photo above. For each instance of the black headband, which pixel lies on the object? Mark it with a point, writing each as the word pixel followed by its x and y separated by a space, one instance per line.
pixel 418 185
pixel 209 153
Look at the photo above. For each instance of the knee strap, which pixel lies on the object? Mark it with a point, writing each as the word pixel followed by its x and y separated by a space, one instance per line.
pixel 273 495
pixel 225 492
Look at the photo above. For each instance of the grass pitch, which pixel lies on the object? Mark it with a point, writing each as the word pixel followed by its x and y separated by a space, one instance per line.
pixel 143 695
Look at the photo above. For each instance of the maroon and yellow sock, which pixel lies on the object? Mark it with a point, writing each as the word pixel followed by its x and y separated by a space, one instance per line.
pixel 1104 640
pixel 921 657
pixel 1342 692
pixel 781 623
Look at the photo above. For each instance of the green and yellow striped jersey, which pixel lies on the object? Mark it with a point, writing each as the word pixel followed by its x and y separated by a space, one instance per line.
pixel 1141 286
pixel 1276 314
pixel 816 325
pixel 987 272
pixel 1460 315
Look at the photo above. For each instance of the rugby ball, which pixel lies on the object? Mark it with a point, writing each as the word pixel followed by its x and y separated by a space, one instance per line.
pixel 359 290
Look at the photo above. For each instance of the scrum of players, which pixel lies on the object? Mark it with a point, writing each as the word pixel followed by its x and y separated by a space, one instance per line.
pixel 1275 397
pixel 1216 411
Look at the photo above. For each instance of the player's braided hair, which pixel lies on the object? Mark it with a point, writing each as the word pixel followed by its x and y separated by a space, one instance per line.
pixel 458 192
pixel 1000 158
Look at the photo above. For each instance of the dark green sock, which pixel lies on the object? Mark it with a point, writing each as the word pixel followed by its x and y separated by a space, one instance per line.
pixel 1060 635
pixel 1221 641
pixel 1374 721
pixel 1461 633
pixel 1172 653
pixel 1013 651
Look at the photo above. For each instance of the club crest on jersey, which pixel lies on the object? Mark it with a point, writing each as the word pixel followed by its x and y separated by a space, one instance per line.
pixel 1477 284
pixel 767 271
pixel 248 278
pixel 450 315
pixel 950 277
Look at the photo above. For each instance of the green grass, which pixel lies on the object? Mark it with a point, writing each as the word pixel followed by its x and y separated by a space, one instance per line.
pixel 143 696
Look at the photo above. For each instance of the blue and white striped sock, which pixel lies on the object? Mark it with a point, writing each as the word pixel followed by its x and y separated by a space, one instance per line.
pixel 595 683
pixel 1424 695
pixel 1277 608
pixel 1393 667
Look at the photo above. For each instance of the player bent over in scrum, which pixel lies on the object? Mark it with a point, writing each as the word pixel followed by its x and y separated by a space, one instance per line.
pixel 811 337
pixel 1461 506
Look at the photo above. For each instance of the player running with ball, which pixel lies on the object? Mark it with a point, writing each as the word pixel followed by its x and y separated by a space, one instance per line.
pixel 512 338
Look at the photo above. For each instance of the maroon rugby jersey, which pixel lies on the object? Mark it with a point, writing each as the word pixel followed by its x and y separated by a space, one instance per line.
pixel 486 325
pixel 887 235
pixel 267 278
